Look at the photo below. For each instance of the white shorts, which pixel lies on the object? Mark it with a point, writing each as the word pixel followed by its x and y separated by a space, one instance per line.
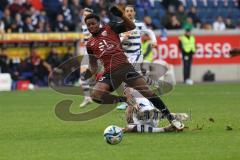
pixel 136 60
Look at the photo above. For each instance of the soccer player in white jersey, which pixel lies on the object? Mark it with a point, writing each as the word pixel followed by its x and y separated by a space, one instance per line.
pixel 85 61
pixel 131 42
pixel 146 118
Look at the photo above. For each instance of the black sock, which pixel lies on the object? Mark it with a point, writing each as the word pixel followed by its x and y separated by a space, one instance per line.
pixel 158 103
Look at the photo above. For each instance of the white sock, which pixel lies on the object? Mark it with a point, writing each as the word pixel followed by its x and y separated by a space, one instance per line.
pixel 158 130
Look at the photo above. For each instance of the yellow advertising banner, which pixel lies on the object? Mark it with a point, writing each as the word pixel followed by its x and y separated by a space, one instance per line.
pixel 19 45
pixel 40 37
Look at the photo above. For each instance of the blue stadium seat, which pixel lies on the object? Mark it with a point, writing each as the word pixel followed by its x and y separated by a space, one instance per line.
pixel 156 22
pixel 158 5
pixel 152 13
pixel 221 4
pixel 140 13
pixel 202 13
pixel 235 13
pixel 161 12
pixel 231 4
pixel 1 14
pixel 189 3
pixel 211 4
pixel 200 4
pixel 210 13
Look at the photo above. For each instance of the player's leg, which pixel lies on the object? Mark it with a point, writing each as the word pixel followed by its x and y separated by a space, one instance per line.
pixel 141 86
pixel 85 83
pixel 86 91
pixel 101 92
pixel 185 61
pixel 136 60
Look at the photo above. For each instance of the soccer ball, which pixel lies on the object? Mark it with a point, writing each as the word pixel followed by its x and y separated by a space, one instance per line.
pixel 113 134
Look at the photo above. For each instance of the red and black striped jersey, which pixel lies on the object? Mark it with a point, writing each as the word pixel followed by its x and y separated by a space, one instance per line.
pixel 106 46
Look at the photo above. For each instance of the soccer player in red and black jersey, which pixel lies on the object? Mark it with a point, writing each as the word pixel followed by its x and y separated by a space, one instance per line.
pixel 105 45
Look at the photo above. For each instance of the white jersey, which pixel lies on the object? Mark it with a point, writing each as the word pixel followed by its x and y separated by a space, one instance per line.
pixel 131 41
pixel 83 42
pixel 147 114
pixel 86 33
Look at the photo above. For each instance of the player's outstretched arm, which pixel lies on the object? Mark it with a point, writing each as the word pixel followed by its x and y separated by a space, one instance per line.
pixel 129 25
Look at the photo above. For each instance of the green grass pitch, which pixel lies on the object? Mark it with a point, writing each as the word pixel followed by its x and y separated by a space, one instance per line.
pixel 29 129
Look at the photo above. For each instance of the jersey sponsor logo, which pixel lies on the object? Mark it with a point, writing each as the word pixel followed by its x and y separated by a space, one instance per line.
pixel 104 46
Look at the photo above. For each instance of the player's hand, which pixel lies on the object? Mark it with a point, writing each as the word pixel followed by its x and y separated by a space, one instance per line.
pixel 86 75
pixel 234 52
pixel 116 11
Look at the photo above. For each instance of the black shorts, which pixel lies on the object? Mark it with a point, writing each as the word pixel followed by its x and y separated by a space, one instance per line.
pixel 125 73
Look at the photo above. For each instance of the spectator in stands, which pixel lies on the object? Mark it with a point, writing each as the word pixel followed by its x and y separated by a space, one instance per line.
pixel 67 13
pixel 104 17
pixel 166 19
pixel 75 8
pixel 16 7
pixel 35 16
pixel 15 69
pixel 174 23
pixel 88 4
pixel 75 75
pixel 60 25
pixel 38 68
pixel 14 28
pixel 229 23
pixel 207 26
pixel 53 58
pixel 28 27
pixel 4 4
pixel 148 21
pixel 20 24
pixel 101 5
pixel 122 4
pixel 145 4
pixel 2 26
pixel 27 5
pixel 52 8
pixel 167 3
pixel 78 20
pixel 41 27
pixel 188 23
pixel 43 16
pixel 181 15
pixel 4 67
pixel 219 25
pixel 7 19
pixel 131 2
pixel 11 66
pixel 193 14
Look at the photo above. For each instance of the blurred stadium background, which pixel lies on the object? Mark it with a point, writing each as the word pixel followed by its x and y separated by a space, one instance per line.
pixel 38 35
